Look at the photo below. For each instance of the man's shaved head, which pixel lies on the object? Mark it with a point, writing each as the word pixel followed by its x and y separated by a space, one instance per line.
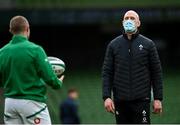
pixel 133 13
pixel 18 24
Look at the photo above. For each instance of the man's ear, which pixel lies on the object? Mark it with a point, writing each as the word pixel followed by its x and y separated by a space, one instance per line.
pixel 139 23
pixel 27 29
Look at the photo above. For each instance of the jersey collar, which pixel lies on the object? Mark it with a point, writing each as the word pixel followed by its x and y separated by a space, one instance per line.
pixel 18 38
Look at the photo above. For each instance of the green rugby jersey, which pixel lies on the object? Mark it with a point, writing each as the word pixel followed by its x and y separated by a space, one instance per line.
pixel 24 70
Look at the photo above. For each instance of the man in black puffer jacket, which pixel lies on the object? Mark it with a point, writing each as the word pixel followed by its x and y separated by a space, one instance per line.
pixel 131 68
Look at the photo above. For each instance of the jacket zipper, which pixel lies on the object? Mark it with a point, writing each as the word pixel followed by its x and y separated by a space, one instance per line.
pixel 130 66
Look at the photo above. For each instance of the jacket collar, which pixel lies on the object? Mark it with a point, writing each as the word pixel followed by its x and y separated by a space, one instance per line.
pixel 133 35
pixel 18 38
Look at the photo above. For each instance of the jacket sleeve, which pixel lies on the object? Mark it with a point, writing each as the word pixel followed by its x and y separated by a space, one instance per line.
pixel 156 73
pixel 45 70
pixel 108 72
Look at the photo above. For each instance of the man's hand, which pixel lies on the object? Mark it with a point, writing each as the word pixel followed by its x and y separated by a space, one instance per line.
pixel 109 105
pixel 61 78
pixel 157 107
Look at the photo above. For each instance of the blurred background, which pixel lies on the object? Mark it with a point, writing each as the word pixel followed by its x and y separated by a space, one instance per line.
pixel 78 31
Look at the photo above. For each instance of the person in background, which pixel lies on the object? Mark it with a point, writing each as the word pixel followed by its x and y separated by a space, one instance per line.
pixel 69 108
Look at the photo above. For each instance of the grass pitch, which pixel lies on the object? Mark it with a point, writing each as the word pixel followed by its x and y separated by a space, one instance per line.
pixel 91 104
pixel 91 108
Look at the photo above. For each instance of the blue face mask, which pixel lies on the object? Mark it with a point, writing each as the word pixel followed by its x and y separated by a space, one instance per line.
pixel 129 26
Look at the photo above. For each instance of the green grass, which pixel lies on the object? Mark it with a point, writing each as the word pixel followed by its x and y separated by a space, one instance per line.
pixel 95 3
pixel 90 101
pixel 91 105
pixel 171 101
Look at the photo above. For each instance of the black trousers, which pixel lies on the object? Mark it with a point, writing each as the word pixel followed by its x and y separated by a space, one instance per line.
pixel 132 112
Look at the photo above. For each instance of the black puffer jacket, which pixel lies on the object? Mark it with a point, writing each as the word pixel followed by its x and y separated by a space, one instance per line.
pixel 131 68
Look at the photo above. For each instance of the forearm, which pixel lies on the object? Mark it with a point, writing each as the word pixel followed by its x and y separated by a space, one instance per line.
pixel 157 89
pixel 156 74
pixel 157 82
pixel 107 76
pixel 108 72
pixel 55 83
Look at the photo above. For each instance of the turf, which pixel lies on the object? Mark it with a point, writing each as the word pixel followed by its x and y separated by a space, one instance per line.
pixel 90 101
pixel 91 105
pixel 171 101
pixel 91 108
